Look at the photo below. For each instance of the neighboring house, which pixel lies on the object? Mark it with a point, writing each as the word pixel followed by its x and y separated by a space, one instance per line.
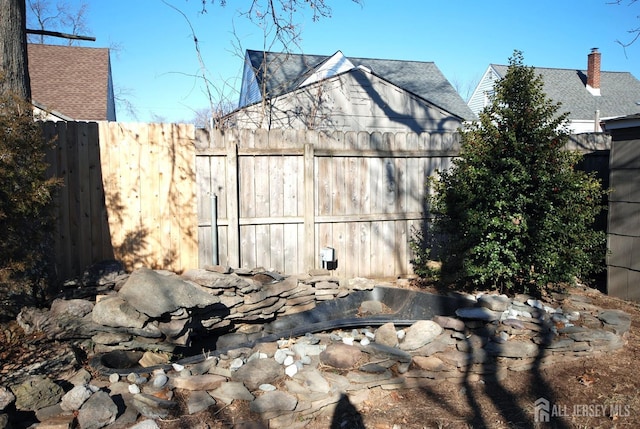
pixel 589 96
pixel 283 90
pixel 71 82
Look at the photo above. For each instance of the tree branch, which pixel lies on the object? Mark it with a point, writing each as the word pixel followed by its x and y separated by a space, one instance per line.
pixel 61 35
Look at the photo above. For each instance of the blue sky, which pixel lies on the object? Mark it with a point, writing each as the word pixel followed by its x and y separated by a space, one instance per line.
pixel 155 61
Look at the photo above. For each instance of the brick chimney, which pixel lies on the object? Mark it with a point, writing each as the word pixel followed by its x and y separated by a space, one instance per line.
pixel 593 72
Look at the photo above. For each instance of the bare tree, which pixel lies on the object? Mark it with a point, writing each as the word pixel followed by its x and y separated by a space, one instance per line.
pixel 279 21
pixel 634 32
pixel 45 15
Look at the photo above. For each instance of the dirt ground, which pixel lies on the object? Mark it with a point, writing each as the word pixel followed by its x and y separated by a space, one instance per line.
pixel 601 391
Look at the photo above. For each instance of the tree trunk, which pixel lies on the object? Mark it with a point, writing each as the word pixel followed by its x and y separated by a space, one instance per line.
pixel 13 49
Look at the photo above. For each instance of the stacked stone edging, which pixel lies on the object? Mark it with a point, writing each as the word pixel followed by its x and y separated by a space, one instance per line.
pixel 295 379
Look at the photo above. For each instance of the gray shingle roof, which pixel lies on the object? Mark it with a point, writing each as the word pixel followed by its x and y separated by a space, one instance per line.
pixel 424 79
pixel 619 92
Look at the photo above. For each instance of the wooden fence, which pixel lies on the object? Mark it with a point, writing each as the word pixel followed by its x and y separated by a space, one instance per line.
pixel 283 195
pixel 148 194
pixel 128 194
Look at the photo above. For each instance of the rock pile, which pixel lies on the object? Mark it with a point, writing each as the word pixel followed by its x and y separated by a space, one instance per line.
pixel 292 380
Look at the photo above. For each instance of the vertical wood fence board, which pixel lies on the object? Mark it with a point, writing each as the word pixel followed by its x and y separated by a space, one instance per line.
pixel 73 185
pixel 203 198
pixel 61 198
pixel 166 166
pixel 83 209
pixel 309 207
pixel 99 234
pixel 233 212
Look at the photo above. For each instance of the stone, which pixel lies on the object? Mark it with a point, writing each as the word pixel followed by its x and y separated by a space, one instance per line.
pixel 98 411
pixel 111 338
pixel 174 329
pixel 513 349
pixel 145 424
pixel 303 349
pixel 472 342
pixel 370 308
pixel 494 302
pixel 80 377
pixel 74 398
pixel 6 397
pixel 198 382
pixel 36 392
pixel 455 357
pixel 150 358
pixel 340 355
pixel 429 363
pixel 419 334
pixel 198 401
pixel 59 421
pixel 273 401
pixel 478 313
pixel 380 351
pixel 155 295
pixel 50 412
pixel 70 307
pixel 313 380
pixel 360 283
pixel 257 372
pixel 386 335
pixel 616 320
pixel 291 370
pixel 159 380
pixel 449 323
pixel 233 390
pixel 151 406
pixel 116 312
pixel 215 278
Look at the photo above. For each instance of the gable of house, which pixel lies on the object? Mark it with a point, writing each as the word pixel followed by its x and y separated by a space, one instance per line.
pixel 73 81
pixel 354 100
pixel 617 94
pixel 274 74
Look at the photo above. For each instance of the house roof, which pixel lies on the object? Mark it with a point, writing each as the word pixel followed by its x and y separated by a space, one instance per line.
pixel 72 80
pixel 286 71
pixel 619 92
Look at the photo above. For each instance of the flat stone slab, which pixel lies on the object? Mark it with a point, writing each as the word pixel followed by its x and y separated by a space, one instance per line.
pixel 618 320
pixel 155 294
pixel 478 313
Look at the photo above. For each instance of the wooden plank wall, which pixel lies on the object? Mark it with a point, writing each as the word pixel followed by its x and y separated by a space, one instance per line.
pixel 283 195
pixel 128 194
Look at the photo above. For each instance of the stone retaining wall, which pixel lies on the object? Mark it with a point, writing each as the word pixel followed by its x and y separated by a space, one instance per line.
pixel 293 379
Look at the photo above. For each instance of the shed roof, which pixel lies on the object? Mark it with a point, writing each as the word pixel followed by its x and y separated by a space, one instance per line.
pixel 286 71
pixel 73 80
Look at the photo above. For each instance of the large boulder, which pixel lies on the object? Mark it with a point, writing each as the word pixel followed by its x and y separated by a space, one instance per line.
pixel 155 294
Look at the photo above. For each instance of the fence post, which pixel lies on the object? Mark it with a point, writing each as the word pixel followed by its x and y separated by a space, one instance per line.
pixel 309 207
pixel 233 206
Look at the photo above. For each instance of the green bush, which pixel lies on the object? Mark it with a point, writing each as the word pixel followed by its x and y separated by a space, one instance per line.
pixel 512 212
pixel 26 218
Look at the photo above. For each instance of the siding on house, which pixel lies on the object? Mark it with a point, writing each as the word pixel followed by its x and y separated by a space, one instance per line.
pixel 481 95
pixel 250 90
pixel 356 100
